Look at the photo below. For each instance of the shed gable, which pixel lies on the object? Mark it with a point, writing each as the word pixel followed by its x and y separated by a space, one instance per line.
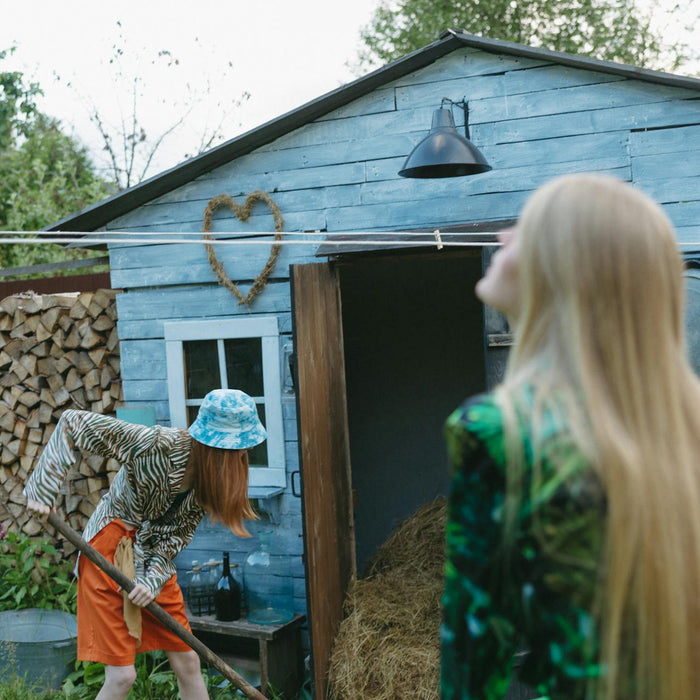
pixel 532 119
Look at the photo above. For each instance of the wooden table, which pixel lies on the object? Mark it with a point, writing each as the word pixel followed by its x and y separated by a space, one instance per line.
pixel 278 656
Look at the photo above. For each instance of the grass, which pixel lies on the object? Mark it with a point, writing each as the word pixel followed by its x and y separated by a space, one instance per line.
pixel 14 687
pixel 155 681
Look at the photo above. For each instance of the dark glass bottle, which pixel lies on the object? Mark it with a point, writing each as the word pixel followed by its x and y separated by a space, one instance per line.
pixel 227 597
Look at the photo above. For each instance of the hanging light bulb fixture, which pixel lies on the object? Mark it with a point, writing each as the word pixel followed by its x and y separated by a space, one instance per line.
pixel 444 152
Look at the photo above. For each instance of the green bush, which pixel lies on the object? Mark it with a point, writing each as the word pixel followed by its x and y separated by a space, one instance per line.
pixel 34 575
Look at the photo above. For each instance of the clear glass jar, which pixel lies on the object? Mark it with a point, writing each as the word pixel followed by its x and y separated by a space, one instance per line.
pixel 269 588
pixel 196 591
pixel 211 571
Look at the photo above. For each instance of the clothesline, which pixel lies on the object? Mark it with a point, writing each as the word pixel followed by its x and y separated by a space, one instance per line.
pixel 100 234
pixel 320 238
pixel 336 240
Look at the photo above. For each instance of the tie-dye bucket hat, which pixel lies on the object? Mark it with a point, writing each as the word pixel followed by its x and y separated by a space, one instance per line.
pixel 228 419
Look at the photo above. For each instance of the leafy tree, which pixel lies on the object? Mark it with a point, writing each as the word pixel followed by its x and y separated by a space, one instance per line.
pixel 616 30
pixel 45 174
pixel 45 177
pixel 17 104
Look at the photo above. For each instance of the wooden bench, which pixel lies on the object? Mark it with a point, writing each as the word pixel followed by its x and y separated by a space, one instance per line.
pixel 274 651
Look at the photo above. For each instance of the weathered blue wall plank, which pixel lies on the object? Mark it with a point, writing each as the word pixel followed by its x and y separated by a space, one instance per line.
pixel 657 114
pixel 554 78
pixel 189 264
pixel 324 133
pixel 456 88
pixel 326 153
pixel 199 302
pixel 428 212
pixel 143 359
pixel 382 145
pixel 381 100
pixel 240 270
pixel 684 213
pixel 146 390
pixel 557 150
pixel 207 186
pixel 303 221
pixel 660 166
pixel 669 140
pixel 672 189
pixel 469 62
pixel 291 201
pixel 497 180
pixel 153 328
pixel 689 235
pixel 544 79
pixel 576 99
pixel 139 256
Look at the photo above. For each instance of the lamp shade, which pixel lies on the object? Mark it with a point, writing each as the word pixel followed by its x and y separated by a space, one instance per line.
pixel 444 152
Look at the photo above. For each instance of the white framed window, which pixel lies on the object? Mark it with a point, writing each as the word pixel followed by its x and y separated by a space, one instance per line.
pixel 239 353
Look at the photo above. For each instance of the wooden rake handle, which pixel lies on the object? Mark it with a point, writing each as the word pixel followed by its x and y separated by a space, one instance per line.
pixel 204 652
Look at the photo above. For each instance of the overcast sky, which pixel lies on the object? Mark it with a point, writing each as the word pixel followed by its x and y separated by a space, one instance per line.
pixel 283 52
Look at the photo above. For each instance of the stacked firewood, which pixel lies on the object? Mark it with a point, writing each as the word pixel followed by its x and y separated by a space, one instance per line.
pixel 56 352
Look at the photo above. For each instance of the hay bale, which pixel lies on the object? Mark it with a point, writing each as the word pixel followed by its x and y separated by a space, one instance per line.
pixel 387 646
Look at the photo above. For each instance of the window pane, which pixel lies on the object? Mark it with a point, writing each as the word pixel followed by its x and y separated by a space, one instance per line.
pixel 257 457
pixel 201 368
pixel 244 369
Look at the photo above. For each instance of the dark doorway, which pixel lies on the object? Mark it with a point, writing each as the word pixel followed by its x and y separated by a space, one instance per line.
pixel 413 345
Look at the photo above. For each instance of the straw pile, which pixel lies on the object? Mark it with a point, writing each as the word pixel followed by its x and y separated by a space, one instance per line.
pixel 387 646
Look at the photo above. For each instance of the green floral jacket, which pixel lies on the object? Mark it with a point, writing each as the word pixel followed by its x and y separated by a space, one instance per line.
pixel 537 596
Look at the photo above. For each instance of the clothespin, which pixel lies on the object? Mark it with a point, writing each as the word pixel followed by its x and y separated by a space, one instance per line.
pixel 438 239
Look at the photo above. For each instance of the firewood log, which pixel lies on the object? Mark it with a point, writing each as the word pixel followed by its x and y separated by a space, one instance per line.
pixel 34 383
pixel 103 323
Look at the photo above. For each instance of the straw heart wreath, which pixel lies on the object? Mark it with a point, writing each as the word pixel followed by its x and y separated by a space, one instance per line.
pixel 242 213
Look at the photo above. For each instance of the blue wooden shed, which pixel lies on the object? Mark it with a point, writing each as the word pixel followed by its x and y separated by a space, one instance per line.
pixel 357 352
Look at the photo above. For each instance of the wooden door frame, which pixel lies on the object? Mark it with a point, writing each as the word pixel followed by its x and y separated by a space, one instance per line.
pixel 324 453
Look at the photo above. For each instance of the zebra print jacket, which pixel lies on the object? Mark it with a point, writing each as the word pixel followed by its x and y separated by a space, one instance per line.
pixel 142 494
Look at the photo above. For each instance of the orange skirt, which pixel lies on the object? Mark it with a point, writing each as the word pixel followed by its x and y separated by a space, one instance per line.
pixel 102 632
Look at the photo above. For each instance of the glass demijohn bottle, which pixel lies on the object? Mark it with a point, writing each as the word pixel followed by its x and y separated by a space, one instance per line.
pixel 268 585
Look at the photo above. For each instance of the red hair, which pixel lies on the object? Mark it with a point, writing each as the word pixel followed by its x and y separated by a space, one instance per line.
pixel 220 483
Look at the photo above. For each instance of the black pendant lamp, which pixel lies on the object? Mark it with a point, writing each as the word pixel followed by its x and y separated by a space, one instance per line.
pixel 444 152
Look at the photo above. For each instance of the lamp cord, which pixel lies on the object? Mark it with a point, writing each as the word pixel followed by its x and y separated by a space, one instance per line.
pixel 465 108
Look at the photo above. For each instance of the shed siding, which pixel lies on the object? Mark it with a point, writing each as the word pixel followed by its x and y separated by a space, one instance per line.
pixel 532 119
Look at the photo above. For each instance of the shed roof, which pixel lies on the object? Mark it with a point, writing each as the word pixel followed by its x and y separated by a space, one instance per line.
pixel 99 214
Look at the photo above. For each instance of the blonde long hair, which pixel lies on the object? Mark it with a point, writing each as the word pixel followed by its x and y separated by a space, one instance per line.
pixel 600 325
